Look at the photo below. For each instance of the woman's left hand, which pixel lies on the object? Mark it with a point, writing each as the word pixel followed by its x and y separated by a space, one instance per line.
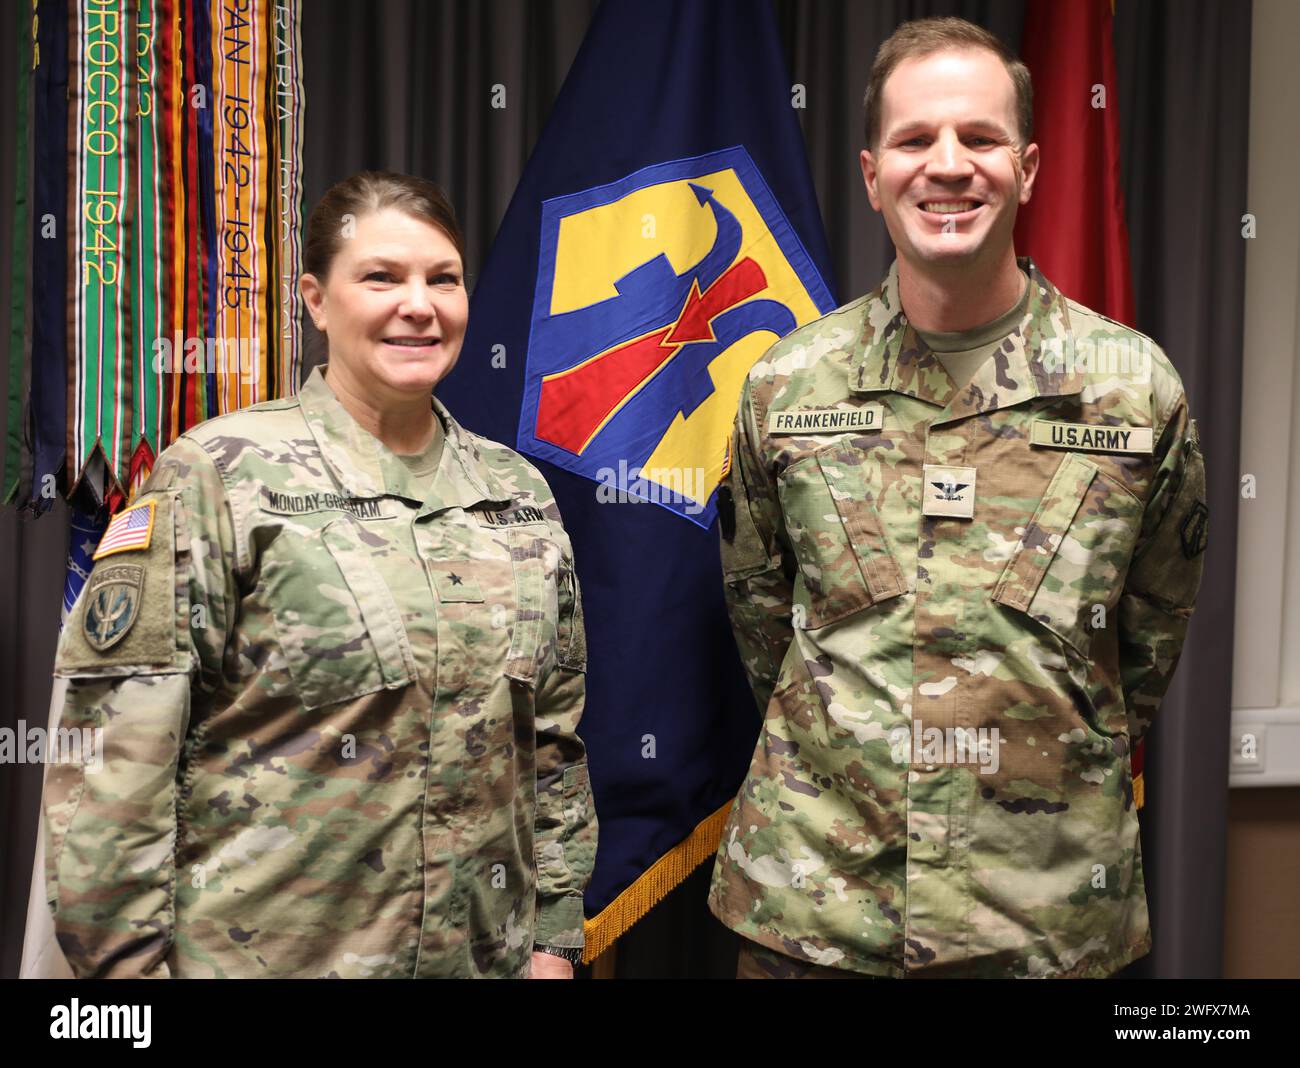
pixel 549 966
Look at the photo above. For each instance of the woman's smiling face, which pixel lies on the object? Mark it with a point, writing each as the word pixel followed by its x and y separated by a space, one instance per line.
pixel 393 306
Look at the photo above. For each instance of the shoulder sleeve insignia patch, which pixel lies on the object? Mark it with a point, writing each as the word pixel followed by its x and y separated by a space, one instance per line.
pixel 112 604
pixel 1193 530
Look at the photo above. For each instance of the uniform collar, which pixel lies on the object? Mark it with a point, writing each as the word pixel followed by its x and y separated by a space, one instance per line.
pixel 363 467
pixel 890 355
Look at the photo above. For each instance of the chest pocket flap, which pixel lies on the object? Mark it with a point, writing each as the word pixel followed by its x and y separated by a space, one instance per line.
pixel 1073 556
pixel 338 624
pixel 836 533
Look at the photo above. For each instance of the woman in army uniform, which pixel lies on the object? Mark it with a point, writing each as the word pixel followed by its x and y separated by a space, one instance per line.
pixel 335 649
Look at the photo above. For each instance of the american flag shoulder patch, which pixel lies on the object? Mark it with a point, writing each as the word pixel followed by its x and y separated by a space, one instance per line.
pixel 130 529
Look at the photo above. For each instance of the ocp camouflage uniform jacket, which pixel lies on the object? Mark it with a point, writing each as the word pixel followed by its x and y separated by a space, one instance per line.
pixel 862 837
pixel 339 734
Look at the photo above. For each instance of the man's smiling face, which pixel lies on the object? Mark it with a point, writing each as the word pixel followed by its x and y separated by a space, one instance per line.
pixel 947 173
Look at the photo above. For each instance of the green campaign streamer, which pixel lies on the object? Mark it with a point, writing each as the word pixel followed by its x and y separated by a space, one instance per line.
pixel 99 83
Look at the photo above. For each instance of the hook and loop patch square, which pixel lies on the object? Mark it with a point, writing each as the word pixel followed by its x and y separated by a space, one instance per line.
pixel 132 607
pixel 948 491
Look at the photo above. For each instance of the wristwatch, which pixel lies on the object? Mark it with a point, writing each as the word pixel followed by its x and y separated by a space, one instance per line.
pixel 573 954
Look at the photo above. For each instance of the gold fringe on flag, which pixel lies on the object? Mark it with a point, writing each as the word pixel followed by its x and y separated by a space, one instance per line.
pixel 604 929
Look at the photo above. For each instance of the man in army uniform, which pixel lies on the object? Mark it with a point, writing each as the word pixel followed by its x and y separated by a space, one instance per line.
pixel 962 531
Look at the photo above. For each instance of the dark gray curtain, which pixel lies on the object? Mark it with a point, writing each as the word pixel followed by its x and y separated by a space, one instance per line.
pixel 1184 81
pixel 407 85
pixel 33 554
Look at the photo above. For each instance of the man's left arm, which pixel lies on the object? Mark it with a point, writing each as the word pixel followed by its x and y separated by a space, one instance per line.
pixel 1165 574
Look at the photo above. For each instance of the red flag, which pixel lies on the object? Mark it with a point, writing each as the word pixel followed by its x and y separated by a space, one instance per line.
pixel 1074 226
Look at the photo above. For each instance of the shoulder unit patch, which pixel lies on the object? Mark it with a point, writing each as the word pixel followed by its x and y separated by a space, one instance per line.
pixel 1193 530
pixel 112 604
